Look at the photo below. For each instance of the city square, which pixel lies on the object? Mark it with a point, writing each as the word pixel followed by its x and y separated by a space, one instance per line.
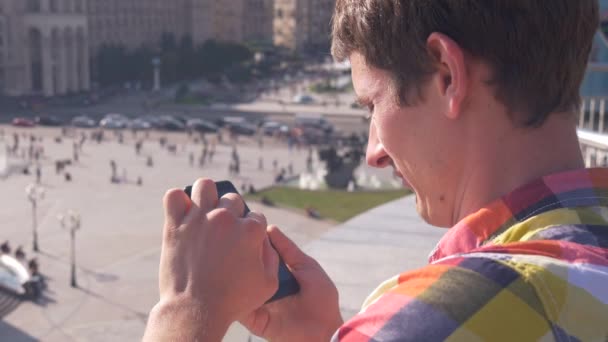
pixel 356 127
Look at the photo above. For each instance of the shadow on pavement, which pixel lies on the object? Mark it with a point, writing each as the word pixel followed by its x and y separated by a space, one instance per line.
pixel 139 315
pixel 8 303
pixel 10 333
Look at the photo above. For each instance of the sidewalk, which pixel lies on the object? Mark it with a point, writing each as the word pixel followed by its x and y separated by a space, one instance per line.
pixel 372 248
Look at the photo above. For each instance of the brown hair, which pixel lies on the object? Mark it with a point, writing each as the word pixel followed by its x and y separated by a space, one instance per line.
pixel 538 49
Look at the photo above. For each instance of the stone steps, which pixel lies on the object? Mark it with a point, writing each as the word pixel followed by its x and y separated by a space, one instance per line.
pixel 8 302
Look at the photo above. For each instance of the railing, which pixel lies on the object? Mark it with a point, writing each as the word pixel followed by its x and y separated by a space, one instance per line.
pixel 592 131
pixel 593 114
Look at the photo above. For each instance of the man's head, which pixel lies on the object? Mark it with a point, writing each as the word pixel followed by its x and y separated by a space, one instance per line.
pixel 444 77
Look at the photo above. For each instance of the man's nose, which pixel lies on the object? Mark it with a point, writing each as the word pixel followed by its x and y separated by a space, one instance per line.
pixel 376 156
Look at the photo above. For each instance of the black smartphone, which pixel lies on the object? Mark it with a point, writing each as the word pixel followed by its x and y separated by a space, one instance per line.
pixel 287 282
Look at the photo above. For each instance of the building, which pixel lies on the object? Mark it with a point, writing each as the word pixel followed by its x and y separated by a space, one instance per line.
pixel 302 25
pixel 596 80
pixel 133 23
pixel 43 47
pixel 243 21
pixel 199 19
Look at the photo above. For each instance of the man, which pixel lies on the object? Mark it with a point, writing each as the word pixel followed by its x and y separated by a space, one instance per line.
pixel 473 104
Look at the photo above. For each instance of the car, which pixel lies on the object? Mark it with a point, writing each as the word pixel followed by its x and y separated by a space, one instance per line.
pixel 48 121
pixel 23 122
pixel 83 121
pixel 243 128
pixel 303 99
pixel 202 126
pixel 171 124
pixel 226 121
pixel 114 121
pixel 139 124
pixel 314 121
pixel 271 128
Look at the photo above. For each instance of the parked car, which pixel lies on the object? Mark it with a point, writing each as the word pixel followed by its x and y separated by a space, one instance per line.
pixel 114 121
pixel 84 122
pixel 314 121
pixel 23 122
pixel 139 124
pixel 242 128
pixel 272 128
pixel 303 99
pixel 202 126
pixel 48 121
pixel 226 121
pixel 171 124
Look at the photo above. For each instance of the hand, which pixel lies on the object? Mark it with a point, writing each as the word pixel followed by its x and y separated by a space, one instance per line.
pixel 216 267
pixel 311 315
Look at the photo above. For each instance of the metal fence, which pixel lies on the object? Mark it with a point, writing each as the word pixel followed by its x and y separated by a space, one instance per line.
pixel 593 114
pixel 592 131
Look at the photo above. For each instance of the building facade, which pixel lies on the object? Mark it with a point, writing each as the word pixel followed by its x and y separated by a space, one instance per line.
pixel 43 47
pixel 596 80
pixel 133 23
pixel 301 25
pixel 243 21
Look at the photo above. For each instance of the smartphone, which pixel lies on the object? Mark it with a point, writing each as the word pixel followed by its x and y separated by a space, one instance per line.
pixel 287 282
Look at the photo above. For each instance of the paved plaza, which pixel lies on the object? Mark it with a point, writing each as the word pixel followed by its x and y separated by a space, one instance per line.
pixel 119 243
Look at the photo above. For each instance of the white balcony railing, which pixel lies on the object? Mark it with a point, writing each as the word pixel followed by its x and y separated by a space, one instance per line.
pixel 592 131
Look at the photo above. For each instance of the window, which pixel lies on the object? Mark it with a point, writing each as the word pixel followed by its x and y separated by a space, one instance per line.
pixel 33 5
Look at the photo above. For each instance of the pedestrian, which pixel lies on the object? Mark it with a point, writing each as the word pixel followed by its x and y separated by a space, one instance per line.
pixel 5 247
pixel 138 146
pixel 19 253
pixel 75 151
pixel 113 167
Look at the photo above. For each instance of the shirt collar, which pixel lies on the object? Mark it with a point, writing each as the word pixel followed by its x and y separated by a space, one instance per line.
pixel 560 190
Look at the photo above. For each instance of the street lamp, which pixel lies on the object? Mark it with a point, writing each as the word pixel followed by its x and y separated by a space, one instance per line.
pixel 156 64
pixel 71 222
pixel 34 193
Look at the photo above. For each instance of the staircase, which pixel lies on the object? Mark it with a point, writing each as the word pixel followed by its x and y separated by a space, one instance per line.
pixel 8 302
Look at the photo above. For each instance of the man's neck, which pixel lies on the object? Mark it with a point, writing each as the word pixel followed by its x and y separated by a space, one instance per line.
pixel 516 158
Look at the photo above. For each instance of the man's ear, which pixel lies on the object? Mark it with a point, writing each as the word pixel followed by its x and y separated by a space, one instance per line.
pixel 452 78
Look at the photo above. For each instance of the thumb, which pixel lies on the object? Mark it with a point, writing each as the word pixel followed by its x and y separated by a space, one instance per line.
pixel 287 249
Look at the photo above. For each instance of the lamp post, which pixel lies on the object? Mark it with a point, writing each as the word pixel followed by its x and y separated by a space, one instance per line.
pixel 34 193
pixel 71 222
pixel 156 64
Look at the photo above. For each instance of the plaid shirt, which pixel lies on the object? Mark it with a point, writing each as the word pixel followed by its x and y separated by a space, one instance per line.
pixel 531 266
